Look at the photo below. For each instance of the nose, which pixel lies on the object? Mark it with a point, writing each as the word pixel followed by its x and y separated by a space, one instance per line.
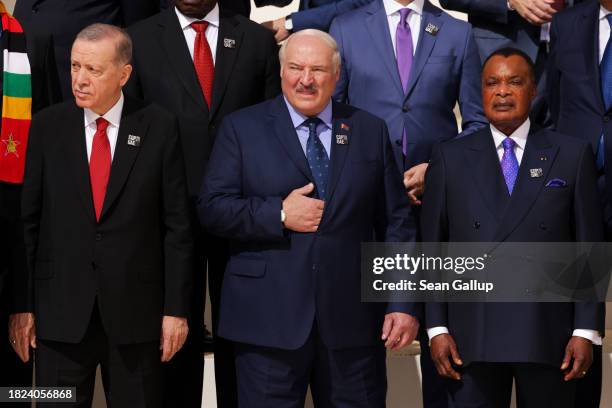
pixel 307 77
pixel 81 77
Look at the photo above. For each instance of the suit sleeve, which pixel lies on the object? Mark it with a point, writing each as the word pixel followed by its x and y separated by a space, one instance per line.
pixel 341 92
pixel 470 98
pixel 31 211
pixel 494 10
pixel 322 16
pixel 434 224
pixel 133 11
pixel 553 75
pixel 178 237
pixel 588 227
pixel 45 80
pixel 222 206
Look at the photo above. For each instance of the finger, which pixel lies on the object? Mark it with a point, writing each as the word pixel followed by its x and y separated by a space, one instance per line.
pixel 412 198
pixel 165 348
pixel 404 341
pixel 305 190
pixel 395 336
pixel 576 371
pixel 387 326
pixel 33 341
pixel 566 358
pixel 447 369
pixel 455 355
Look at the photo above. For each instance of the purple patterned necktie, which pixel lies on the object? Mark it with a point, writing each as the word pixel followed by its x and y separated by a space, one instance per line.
pixel 509 163
pixel 404 50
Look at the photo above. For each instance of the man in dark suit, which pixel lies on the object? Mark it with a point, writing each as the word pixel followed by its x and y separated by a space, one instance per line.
pixel 580 99
pixel 296 184
pixel 522 24
pixel 64 19
pixel 107 233
pixel 483 188
pixel 171 69
pixel 45 91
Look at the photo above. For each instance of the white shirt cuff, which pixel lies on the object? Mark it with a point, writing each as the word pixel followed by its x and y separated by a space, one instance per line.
pixel 434 331
pixel 592 335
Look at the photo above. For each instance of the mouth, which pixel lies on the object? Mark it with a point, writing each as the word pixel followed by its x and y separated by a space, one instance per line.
pixel 80 94
pixel 503 106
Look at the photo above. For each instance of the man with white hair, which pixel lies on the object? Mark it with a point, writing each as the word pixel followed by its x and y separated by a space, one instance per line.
pixel 291 293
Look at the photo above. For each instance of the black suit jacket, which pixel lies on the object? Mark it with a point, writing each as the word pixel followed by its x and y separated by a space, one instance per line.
pixel 246 72
pixel 466 200
pixel 136 261
pixel 64 19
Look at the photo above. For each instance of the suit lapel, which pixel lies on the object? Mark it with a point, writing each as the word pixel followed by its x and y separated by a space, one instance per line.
pixel 378 29
pixel 287 136
pixel 539 154
pixel 76 154
pixel 175 46
pixel 125 154
pixel 229 29
pixel 426 43
pixel 590 36
pixel 482 159
pixel 339 152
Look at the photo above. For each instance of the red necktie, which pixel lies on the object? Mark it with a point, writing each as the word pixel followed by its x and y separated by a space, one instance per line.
pixel 203 61
pixel 99 165
pixel 558 5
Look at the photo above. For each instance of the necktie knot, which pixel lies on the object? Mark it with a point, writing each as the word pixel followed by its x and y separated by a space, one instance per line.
pixel 101 124
pixel 404 12
pixel 199 26
pixel 508 144
pixel 312 124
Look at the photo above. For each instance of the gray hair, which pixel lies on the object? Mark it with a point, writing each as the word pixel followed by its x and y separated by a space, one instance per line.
pixel 311 32
pixel 99 31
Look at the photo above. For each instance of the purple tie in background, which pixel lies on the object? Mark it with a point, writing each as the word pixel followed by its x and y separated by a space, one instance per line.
pixel 404 50
pixel 509 163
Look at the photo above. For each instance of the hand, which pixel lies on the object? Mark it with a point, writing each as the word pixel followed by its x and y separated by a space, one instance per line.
pixel 581 351
pixel 536 12
pixel 302 213
pixel 173 336
pixel 278 28
pixel 399 330
pixel 443 347
pixel 22 334
pixel 414 181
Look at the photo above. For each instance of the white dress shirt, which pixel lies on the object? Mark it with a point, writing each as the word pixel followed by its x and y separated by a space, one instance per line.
pixel 392 9
pixel 604 31
pixel 212 31
pixel 113 116
pixel 520 138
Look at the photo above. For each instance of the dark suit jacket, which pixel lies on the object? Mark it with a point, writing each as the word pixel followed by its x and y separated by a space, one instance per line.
pixel 277 282
pixel 445 69
pixel 64 19
pixel 466 200
pixel 574 87
pixel 136 261
pixel 320 13
pixel 495 26
pixel 245 74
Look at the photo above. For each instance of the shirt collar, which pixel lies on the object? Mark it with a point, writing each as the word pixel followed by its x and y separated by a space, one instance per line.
pixel 392 6
pixel 603 12
pixel 298 118
pixel 212 17
pixel 113 116
pixel 519 135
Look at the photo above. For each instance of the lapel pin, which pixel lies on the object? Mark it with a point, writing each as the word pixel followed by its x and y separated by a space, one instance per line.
pixel 535 173
pixel 342 139
pixel 133 140
pixel 543 158
pixel 229 43
pixel 432 29
pixel 344 126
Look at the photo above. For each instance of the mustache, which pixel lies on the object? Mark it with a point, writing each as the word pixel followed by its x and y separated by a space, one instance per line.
pixel 308 88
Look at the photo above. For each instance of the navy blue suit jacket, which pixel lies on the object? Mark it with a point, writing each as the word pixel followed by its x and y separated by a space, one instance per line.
pixel 466 200
pixel 445 69
pixel 278 282
pixel 320 13
pixel 574 87
pixel 495 26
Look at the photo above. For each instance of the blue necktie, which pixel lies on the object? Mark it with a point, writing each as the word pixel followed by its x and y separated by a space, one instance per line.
pixel 509 163
pixel 605 73
pixel 318 160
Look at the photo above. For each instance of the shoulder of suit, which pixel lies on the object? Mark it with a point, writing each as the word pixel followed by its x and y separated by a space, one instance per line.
pixel 570 13
pixel 148 23
pixel 253 112
pixel 56 111
pixel 356 114
pixel 562 139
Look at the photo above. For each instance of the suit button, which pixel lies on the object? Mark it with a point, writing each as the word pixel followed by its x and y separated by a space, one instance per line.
pixel 314 267
pixel 98 237
pixel 398 142
pixel 542 226
pixel 476 225
pixel 405 108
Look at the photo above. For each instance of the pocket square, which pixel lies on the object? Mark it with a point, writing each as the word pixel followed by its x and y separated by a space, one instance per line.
pixel 556 183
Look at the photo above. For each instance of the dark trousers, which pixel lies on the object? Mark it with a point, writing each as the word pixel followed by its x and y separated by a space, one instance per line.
pixel 433 385
pixel 276 378
pixel 489 385
pixel 131 373
pixel 588 389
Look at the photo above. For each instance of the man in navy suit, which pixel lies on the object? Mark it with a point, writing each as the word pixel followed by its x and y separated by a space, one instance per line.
pixel 296 184
pixel 580 99
pixel 482 188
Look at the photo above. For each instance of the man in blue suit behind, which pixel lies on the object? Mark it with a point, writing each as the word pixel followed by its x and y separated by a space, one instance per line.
pixel 297 184
pixel 512 182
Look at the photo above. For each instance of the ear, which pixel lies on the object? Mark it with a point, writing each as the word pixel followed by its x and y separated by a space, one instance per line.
pixel 126 72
